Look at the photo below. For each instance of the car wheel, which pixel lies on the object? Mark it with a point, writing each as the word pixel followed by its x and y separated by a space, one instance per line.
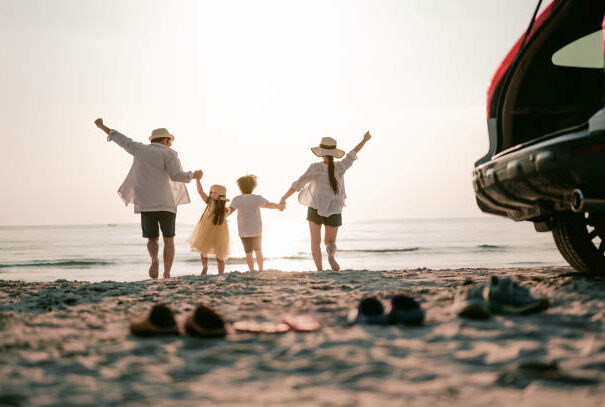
pixel 581 240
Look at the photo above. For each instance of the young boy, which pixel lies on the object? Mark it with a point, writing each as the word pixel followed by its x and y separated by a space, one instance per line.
pixel 249 222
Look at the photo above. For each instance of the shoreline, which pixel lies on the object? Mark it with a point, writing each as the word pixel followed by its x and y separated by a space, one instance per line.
pixel 67 342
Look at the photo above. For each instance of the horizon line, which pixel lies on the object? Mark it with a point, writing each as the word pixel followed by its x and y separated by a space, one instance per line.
pixel 181 223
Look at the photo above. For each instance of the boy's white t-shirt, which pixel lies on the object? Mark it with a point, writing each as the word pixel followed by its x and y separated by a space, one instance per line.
pixel 249 222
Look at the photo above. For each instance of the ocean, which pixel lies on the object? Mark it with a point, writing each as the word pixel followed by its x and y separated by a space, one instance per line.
pixel 117 252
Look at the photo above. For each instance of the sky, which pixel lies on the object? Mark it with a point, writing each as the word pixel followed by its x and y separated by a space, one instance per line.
pixel 247 87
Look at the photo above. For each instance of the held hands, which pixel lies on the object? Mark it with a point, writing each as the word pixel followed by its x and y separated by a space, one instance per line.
pixel 282 204
pixel 198 174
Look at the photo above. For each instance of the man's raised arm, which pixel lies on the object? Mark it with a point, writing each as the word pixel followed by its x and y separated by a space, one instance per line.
pixel 99 123
pixel 120 139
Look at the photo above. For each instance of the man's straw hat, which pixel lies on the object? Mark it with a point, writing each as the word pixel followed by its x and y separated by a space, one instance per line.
pixel 221 191
pixel 327 147
pixel 160 133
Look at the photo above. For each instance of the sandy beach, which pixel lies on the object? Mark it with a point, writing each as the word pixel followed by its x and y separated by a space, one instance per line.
pixel 68 343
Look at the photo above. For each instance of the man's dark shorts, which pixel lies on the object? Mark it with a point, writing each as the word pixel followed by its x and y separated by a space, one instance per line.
pixel 251 243
pixel 151 220
pixel 332 220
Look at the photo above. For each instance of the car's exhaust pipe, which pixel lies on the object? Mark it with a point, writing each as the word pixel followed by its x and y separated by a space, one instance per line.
pixel 579 203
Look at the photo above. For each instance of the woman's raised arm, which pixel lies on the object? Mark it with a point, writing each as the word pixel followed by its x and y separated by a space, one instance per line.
pixel 366 137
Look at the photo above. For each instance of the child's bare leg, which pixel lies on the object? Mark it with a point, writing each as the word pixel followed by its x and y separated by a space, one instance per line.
pixel 168 255
pixel 204 265
pixel 315 231
pixel 153 247
pixel 330 240
pixel 250 261
pixel 259 259
pixel 221 266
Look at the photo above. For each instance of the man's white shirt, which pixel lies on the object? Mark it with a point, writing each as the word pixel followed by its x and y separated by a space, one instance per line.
pixel 156 179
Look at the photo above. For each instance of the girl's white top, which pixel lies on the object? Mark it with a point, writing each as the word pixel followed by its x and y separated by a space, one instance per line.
pixel 315 189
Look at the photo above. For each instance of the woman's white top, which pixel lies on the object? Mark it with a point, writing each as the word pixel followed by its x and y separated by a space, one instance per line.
pixel 315 189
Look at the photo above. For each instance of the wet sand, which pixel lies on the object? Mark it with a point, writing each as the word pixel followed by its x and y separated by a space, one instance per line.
pixel 67 343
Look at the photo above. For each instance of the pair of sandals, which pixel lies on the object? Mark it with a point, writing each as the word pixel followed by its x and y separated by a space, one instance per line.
pixel 403 310
pixel 203 322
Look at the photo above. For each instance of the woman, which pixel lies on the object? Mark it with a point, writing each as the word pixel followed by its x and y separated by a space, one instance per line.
pixel 322 189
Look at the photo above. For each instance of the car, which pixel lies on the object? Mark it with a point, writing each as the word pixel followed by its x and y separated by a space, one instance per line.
pixel 546 127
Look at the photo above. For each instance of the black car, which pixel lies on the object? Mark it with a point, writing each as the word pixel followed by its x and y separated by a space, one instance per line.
pixel 546 125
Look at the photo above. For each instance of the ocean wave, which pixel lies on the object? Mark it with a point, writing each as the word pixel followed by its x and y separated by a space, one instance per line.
pixel 230 260
pixel 60 263
pixel 528 263
pixel 405 249
pixel 490 246
pixel 242 260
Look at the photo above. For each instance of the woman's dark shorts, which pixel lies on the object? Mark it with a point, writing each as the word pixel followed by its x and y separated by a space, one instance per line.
pixel 251 243
pixel 332 220
pixel 151 220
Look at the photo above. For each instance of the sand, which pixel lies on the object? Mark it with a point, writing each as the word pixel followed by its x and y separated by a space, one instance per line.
pixel 67 343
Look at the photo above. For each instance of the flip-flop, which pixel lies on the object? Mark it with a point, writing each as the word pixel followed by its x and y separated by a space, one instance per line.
pixel 256 327
pixel 159 321
pixel 405 310
pixel 302 323
pixel 369 311
pixel 204 322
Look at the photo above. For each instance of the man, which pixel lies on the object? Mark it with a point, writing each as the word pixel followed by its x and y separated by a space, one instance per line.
pixel 155 185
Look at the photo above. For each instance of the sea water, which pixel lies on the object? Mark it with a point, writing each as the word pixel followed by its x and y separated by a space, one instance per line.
pixel 117 252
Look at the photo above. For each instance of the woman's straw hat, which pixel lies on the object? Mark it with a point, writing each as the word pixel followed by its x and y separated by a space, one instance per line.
pixel 160 133
pixel 327 147
pixel 221 191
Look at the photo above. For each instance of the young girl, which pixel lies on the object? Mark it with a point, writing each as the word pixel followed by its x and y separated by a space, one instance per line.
pixel 211 234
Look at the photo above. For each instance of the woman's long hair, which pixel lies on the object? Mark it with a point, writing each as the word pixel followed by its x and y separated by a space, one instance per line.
pixel 333 182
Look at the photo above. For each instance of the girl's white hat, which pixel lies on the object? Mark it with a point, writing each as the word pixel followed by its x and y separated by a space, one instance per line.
pixel 221 191
pixel 327 147
pixel 160 133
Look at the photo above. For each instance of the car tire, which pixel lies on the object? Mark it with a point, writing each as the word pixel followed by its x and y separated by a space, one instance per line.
pixel 581 240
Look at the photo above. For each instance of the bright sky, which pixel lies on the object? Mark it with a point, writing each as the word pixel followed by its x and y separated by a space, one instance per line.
pixel 248 87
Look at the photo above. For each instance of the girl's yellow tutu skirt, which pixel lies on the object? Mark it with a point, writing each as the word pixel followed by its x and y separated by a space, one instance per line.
pixel 208 238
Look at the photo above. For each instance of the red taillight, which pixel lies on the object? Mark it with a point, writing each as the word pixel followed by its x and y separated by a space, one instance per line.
pixel 589 149
pixel 603 34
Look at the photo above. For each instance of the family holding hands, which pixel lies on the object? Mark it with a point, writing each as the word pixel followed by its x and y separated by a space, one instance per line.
pixel 155 186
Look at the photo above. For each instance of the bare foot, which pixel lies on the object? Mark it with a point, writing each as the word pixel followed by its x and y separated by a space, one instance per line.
pixel 204 270
pixel 333 263
pixel 331 249
pixel 154 269
pixel 166 275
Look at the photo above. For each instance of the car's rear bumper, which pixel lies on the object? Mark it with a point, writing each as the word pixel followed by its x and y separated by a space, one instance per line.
pixel 537 180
